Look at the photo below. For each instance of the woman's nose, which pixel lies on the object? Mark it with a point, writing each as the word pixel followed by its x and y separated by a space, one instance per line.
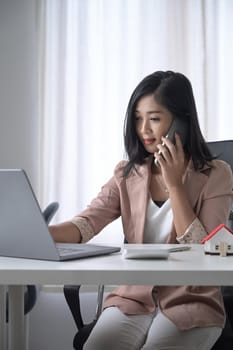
pixel 145 126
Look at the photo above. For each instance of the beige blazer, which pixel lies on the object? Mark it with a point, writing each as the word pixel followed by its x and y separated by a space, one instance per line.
pixel 210 193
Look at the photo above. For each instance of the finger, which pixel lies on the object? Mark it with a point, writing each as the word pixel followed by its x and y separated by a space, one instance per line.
pixel 166 141
pixel 159 159
pixel 165 152
pixel 169 148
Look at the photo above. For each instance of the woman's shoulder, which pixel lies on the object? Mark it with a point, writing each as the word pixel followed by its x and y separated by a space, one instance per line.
pixel 136 170
pixel 221 167
pixel 120 165
pixel 212 168
pixel 119 168
pixel 220 175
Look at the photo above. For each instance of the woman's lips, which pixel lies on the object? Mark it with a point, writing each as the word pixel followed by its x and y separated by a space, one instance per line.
pixel 148 141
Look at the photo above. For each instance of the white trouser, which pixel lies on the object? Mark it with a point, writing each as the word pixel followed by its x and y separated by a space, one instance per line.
pixel 117 331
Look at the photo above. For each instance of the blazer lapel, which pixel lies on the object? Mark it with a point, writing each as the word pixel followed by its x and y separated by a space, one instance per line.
pixel 138 191
pixel 194 181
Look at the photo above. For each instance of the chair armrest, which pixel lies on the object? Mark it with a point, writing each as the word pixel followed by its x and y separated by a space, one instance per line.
pixel 72 297
pixel 230 220
pixel 50 211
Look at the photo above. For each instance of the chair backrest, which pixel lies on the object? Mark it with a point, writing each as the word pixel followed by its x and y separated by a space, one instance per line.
pixel 223 150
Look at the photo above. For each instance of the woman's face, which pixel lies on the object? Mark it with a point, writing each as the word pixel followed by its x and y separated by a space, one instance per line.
pixel 152 122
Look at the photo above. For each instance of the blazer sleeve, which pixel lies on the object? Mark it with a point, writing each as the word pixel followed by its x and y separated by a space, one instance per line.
pixel 102 210
pixel 214 204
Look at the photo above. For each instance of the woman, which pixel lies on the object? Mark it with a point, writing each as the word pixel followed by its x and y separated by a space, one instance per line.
pixel 167 192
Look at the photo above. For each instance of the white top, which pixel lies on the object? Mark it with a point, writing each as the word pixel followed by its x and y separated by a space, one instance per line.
pixel 158 222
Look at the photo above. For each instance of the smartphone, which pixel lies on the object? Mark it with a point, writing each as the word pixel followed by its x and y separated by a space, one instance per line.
pixel 181 128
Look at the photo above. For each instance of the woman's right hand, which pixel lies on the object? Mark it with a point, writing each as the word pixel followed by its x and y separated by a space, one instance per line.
pixel 65 232
pixel 172 161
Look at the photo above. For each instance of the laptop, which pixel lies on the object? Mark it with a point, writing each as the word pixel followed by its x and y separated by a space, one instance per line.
pixel 23 230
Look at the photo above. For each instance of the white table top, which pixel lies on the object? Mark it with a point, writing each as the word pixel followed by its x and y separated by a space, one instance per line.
pixel 182 268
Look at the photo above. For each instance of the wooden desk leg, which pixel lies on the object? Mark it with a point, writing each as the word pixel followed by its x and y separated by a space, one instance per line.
pixel 16 339
pixel 3 327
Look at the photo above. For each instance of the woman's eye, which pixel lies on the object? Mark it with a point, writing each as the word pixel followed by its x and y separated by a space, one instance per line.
pixel 153 119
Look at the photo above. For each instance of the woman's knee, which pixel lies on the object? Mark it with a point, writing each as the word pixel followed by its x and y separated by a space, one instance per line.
pixel 104 333
pixel 115 331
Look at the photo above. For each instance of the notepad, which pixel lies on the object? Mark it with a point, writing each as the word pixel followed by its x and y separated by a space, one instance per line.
pixel 151 251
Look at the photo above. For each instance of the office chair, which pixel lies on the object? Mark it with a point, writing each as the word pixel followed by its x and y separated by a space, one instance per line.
pixel 30 294
pixel 224 151
pixel 50 211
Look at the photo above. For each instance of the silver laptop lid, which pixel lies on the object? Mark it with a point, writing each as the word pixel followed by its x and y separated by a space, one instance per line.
pixel 23 230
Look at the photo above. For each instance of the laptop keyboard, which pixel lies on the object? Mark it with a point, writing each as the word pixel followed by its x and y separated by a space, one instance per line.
pixel 65 251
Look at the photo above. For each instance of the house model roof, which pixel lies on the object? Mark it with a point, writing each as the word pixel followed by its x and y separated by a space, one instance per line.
pixel 222 228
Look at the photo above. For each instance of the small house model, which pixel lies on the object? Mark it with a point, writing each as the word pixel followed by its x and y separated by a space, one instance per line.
pixel 219 241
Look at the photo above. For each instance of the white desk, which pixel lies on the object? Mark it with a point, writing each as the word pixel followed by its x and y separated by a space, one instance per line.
pixel 182 268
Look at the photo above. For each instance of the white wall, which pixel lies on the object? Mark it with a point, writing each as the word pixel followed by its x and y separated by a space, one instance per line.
pixel 18 87
pixel 51 324
pixel 19 146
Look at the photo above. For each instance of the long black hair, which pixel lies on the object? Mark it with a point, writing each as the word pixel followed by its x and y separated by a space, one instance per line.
pixel 173 91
